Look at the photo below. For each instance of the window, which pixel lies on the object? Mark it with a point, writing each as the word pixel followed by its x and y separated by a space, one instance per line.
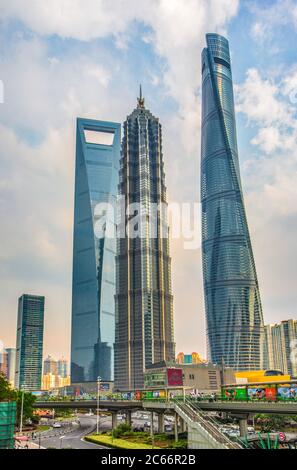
pixel 218 60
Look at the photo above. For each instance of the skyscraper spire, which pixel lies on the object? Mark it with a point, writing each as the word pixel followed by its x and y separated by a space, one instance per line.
pixel 140 100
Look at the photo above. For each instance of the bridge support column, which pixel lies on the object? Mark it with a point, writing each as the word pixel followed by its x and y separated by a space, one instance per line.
pixel 129 417
pixel 114 420
pixel 176 427
pixel 182 425
pixel 242 419
pixel 243 427
pixel 160 423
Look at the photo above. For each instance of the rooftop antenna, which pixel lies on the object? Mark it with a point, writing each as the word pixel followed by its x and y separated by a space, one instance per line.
pixel 140 100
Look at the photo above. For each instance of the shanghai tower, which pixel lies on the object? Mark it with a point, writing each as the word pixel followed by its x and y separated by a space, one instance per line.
pixel 232 299
pixel 144 303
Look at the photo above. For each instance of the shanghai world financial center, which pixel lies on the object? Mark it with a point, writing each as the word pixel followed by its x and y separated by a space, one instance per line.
pixel 93 282
pixel 122 304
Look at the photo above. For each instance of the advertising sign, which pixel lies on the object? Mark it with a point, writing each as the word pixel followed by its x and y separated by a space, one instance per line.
pixel 270 393
pixel 229 393
pixel 241 394
pixel 104 386
pixel 256 393
pixel 174 377
pixel 287 392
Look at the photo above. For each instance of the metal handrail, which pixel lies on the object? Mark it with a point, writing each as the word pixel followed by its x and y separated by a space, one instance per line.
pixel 197 415
pixel 235 444
pixel 206 425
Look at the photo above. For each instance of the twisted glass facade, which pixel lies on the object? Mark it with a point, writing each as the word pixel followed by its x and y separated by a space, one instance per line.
pixel 144 304
pixel 93 283
pixel 232 298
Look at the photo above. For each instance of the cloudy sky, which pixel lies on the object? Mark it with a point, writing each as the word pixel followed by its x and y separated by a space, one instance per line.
pixel 67 58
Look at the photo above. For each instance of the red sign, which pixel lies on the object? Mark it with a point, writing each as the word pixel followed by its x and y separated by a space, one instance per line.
pixel 270 394
pixel 174 377
pixel 282 436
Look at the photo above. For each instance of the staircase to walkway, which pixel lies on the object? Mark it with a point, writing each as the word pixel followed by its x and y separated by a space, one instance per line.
pixel 202 433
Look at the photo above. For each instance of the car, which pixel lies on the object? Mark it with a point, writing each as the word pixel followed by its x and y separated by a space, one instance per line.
pixel 168 428
pixel 233 433
pixel 57 425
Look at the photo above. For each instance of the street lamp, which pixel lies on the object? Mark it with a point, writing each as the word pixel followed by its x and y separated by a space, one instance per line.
pixel 22 412
pixel 98 401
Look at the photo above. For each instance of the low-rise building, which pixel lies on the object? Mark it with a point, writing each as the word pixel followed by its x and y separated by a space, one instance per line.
pixel 51 381
pixel 202 377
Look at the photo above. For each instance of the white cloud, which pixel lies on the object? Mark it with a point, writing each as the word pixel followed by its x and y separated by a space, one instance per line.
pixel 270 16
pixel 178 30
pixel 289 83
pixel 100 73
pixel 267 106
pixel 258 99
pixel 268 139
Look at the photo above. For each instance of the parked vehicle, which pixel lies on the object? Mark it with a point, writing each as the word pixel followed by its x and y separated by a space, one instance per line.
pixel 57 425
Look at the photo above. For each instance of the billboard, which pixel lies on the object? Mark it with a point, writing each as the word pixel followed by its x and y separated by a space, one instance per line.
pixel 270 393
pixel 256 393
pixel 287 392
pixel 229 393
pixel 105 387
pixel 234 394
pixel 174 377
pixel 241 394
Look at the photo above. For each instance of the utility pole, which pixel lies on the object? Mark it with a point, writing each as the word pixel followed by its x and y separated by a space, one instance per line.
pixel 98 401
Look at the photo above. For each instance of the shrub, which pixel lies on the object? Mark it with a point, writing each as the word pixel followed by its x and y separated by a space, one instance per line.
pixel 180 445
pixel 115 443
pixel 121 429
pixel 161 437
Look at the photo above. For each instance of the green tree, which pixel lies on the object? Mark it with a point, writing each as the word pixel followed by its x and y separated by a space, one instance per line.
pixel 28 409
pixel 8 394
pixel 270 422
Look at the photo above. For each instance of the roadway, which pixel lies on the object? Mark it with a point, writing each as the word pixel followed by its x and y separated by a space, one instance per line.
pixel 71 436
